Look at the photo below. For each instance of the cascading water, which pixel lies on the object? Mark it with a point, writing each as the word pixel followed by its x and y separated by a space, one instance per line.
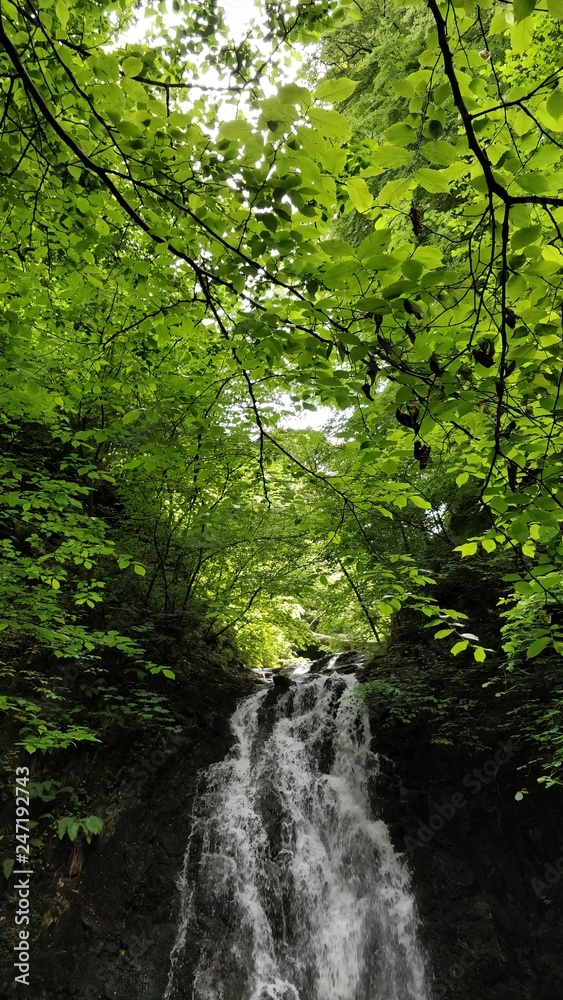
pixel 290 890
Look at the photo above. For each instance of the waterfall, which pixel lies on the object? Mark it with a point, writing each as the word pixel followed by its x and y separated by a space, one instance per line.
pixel 290 889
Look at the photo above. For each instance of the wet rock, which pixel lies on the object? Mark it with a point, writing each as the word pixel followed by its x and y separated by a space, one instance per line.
pixel 281 682
pixel 317 666
pixel 351 658
pixel 343 663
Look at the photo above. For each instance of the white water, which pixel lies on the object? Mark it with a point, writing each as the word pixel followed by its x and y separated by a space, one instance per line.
pixel 298 893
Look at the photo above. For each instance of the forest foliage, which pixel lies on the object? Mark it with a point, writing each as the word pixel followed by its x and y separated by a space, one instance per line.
pixel 356 206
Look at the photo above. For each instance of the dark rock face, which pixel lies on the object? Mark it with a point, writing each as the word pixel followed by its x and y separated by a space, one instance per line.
pixel 282 682
pixel 106 931
pixel 487 869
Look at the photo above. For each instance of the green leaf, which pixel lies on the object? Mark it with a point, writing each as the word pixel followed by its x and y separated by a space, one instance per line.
pixel 394 191
pixel 412 269
pixel 440 152
pixel 521 35
pixel 479 654
pixel 498 22
pixel 419 501
pixel 92 824
pixel 385 513
pixel 334 90
pixel 237 130
pixel 522 9
pixel 524 237
pixel 537 646
pixel 131 417
pixel 443 633
pixel 555 8
pixel 433 181
pixel 435 127
pixel 390 156
pixel 459 647
pixel 331 124
pixel 533 183
pixel 415 83
pixel 359 194
pixel 462 478
pixel 139 569
pixel 401 134
pixel 132 66
pixel 520 530
pixel 8 867
pixel 442 92
pixel 405 88
pixel 467 549
pixel 294 93
pixel 68 825
pixel 555 104
pixel 429 256
pixel 62 13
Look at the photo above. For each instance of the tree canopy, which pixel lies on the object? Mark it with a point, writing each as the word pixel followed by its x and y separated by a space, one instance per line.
pixel 354 206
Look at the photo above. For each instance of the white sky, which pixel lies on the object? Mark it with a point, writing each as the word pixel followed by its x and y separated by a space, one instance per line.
pixel 315 420
pixel 237 15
